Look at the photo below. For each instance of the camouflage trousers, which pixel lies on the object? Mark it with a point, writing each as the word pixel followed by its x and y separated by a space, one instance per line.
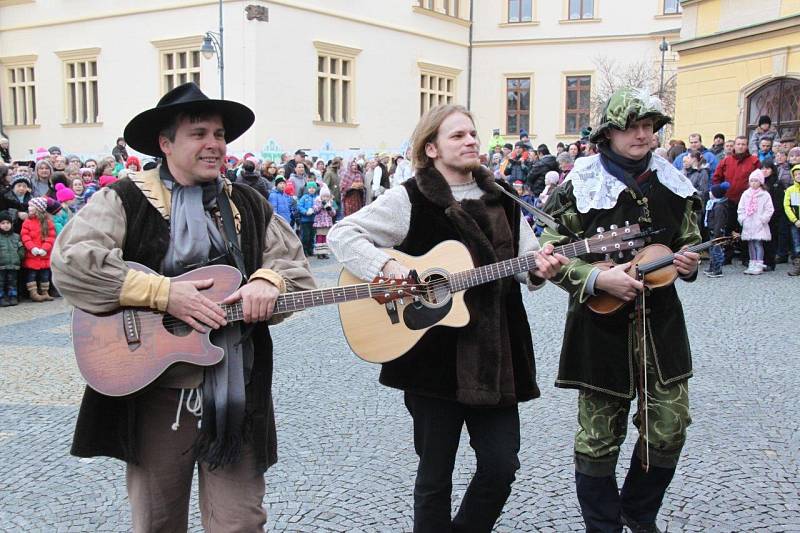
pixel 603 423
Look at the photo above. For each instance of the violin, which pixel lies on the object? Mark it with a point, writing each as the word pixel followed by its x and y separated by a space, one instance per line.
pixel 652 265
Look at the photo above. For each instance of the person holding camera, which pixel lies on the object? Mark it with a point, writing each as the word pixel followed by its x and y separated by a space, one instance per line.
pixel 518 164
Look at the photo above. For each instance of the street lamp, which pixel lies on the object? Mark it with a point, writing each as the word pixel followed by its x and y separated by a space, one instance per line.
pixel 213 44
pixel 664 46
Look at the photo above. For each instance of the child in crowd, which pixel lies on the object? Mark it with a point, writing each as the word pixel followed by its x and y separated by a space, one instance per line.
pixel 66 198
pixel 306 207
pixel 89 182
pixel 791 205
pixel 281 202
pixel 11 255
pixel 325 214
pixel 716 220
pixel 755 210
pixel 79 189
pixel 38 235
pixel 18 196
pixel 525 195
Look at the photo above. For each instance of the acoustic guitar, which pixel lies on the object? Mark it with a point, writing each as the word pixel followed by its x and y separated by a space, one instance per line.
pixel 122 352
pixel 379 333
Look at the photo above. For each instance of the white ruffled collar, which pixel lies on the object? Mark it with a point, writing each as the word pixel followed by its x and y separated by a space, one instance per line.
pixel 595 188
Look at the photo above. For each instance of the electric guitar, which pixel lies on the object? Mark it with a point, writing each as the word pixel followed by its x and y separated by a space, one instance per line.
pixel 379 333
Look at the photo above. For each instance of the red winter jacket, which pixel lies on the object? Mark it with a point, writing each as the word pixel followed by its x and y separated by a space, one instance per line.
pixel 736 171
pixel 31 236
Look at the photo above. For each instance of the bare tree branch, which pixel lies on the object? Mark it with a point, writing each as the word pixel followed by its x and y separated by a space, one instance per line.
pixel 611 75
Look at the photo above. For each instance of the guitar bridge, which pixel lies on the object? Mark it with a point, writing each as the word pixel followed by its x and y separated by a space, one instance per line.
pixel 130 323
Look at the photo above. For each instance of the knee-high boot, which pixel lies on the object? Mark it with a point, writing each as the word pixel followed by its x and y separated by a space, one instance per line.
pixel 600 504
pixel 643 492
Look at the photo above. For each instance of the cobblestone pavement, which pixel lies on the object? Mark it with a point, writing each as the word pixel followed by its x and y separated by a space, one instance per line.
pixel 346 457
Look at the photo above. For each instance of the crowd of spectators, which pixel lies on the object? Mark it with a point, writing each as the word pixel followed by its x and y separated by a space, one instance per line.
pixel 749 186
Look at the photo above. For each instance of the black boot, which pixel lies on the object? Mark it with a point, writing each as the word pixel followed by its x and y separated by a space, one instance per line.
pixel 642 494
pixel 600 504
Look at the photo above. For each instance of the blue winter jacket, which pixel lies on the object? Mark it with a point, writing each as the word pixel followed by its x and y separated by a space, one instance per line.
pixel 282 204
pixel 305 203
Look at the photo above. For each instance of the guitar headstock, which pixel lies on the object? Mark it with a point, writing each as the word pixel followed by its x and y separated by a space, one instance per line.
pixel 385 289
pixel 616 239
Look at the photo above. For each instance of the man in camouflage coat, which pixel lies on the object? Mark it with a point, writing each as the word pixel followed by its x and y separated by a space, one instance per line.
pixel 600 355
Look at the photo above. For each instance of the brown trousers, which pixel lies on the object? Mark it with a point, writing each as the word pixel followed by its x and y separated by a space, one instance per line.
pixel 160 485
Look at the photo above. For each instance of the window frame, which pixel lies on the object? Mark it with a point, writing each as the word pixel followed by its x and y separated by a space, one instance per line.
pixel 167 47
pixel 581 5
pixel 11 97
pixel 428 94
pixel 344 113
pixel 74 105
pixel 507 19
pixel 527 76
pixel 566 111
pixel 665 13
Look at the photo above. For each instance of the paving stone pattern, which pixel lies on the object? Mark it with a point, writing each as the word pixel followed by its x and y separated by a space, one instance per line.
pixel 346 456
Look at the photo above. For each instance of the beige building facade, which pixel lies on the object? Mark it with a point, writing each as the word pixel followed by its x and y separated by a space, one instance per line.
pixel 739 60
pixel 330 76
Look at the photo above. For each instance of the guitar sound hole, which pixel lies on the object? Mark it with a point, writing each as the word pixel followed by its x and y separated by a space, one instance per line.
pixel 438 290
pixel 176 327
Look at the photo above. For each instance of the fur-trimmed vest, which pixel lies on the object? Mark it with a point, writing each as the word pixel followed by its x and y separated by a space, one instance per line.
pixel 106 425
pixel 490 361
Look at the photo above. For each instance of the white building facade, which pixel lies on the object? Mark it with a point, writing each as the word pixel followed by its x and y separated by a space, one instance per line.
pixel 330 76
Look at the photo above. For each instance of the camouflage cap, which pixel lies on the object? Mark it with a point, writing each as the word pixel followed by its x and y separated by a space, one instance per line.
pixel 628 105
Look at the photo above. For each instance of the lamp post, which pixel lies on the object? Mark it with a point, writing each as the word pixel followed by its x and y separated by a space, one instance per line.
pixel 664 46
pixel 213 43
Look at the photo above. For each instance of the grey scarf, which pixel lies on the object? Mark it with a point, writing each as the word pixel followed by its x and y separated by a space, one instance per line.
pixel 195 241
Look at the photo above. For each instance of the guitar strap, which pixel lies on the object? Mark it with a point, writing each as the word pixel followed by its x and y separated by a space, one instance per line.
pixel 229 231
pixel 232 244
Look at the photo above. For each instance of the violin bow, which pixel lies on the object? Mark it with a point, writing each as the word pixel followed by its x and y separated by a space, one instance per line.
pixel 541 216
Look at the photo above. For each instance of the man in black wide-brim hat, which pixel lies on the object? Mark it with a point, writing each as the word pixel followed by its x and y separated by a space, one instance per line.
pixel 175 218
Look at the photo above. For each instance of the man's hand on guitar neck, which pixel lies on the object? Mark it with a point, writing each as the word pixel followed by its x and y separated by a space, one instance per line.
pixel 258 300
pixel 547 263
pixel 187 303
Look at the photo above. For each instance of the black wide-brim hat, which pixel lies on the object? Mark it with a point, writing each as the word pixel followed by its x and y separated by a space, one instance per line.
pixel 142 131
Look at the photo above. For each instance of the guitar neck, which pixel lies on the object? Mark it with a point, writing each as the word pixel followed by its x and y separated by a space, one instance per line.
pixel 296 301
pixel 461 281
pixel 652 266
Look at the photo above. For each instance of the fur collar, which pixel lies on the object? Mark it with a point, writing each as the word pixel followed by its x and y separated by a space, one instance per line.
pixel 435 188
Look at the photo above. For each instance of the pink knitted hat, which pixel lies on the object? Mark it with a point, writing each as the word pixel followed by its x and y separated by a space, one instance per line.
pixel 64 193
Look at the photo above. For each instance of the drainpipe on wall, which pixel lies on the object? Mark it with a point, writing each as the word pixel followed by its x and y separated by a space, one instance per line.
pixel 469 55
pixel 3 133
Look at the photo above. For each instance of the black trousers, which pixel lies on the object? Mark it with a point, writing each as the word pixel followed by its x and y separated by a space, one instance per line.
pixel 493 434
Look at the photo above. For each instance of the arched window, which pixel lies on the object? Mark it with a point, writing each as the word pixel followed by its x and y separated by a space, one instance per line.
pixel 780 101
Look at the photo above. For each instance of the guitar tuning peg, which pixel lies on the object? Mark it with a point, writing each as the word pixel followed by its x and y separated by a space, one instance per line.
pixel 620 254
pixel 612 226
pixel 600 229
pixel 608 257
pixel 627 223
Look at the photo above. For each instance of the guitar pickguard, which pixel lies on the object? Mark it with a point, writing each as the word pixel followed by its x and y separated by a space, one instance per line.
pixel 418 316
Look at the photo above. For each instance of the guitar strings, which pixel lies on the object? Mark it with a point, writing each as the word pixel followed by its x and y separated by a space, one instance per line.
pixel 173 321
